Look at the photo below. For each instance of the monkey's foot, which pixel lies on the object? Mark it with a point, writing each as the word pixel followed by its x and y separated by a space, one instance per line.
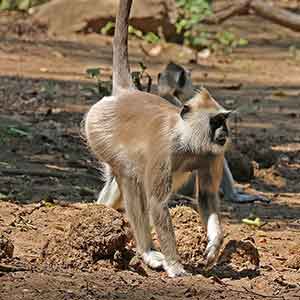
pixel 241 197
pixel 153 259
pixel 212 251
pixel 175 269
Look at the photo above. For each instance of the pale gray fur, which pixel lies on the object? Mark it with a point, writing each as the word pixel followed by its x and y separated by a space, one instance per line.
pixel 145 158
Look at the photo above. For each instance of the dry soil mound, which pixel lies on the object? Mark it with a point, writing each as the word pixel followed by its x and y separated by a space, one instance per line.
pixel 95 233
pixel 237 259
pixel 190 235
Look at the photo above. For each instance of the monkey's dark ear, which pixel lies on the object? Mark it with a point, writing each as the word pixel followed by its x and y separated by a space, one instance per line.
pixel 185 109
pixel 226 113
pixel 181 79
pixel 219 119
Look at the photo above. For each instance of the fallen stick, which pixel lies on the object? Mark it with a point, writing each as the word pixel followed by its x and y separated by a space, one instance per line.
pixel 10 268
pixel 263 9
pixel 42 173
pixel 276 15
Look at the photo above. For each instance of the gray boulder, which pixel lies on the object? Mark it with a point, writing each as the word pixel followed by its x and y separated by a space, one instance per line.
pixel 70 16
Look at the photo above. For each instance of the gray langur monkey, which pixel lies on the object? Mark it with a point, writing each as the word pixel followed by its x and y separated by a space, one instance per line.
pixel 175 85
pixel 149 160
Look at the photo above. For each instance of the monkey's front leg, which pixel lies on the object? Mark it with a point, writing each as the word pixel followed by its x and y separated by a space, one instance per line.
pixel 164 229
pixel 208 199
pixel 110 194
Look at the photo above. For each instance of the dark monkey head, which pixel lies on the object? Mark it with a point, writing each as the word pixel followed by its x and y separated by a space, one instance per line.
pixel 205 121
pixel 218 128
pixel 176 81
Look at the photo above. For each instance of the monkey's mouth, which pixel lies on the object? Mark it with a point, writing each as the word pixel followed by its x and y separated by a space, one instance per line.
pixel 221 141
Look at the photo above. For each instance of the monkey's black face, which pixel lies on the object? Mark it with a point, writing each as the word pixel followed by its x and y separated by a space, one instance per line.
pixel 219 129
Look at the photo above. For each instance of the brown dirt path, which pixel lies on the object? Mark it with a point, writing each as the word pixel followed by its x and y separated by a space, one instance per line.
pixel 43 98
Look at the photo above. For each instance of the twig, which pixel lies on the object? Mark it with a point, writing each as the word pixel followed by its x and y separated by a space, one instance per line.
pixel 10 268
pixel 229 287
pixel 262 295
pixel 280 280
pixel 263 9
pixel 42 173
pixel 275 14
pixel 240 8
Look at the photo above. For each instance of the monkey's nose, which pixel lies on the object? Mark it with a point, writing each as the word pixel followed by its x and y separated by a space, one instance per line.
pixel 221 139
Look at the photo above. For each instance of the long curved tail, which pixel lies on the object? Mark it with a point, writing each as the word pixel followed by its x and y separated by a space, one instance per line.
pixel 121 70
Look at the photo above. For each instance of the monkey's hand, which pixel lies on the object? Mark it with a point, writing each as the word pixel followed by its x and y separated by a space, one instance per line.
pixel 215 240
pixel 212 250
pixel 175 269
pixel 242 197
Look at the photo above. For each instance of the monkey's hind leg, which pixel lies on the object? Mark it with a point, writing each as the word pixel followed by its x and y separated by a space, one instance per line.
pixel 138 215
pixel 110 194
pixel 158 194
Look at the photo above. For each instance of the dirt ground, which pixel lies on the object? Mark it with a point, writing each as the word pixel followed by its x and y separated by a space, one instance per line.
pixel 48 180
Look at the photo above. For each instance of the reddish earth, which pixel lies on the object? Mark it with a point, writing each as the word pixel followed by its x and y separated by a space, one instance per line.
pixel 48 177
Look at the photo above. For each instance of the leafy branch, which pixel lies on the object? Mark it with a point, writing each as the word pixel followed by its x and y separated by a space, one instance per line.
pixel 19 4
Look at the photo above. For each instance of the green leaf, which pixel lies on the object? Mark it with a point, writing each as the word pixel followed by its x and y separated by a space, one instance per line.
pixel 93 72
pixel 243 42
pixel 142 66
pixel 17 132
pixel 23 4
pixel 107 27
pixel 134 31
pixel 256 222
pixel 3 196
pixel 151 37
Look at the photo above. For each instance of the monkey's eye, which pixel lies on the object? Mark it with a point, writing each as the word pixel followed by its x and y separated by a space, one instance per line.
pixel 217 121
pixel 185 109
pixel 181 79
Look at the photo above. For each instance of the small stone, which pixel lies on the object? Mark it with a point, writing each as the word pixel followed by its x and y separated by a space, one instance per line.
pixel 293 262
pixel 240 165
pixel 204 54
pixel 136 264
pixel 6 247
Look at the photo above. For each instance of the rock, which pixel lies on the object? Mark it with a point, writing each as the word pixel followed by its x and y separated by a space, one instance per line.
pixel 257 150
pixel 293 261
pixel 240 166
pixel 265 157
pixel 6 247
pixel 136 264
pixel 238 259
pixel 203 54
pixel 96 233
pixel 179 53
pixel 64 16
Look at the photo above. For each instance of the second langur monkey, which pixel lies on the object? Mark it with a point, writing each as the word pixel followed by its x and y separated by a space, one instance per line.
pixel 175 85
pixel 149 160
